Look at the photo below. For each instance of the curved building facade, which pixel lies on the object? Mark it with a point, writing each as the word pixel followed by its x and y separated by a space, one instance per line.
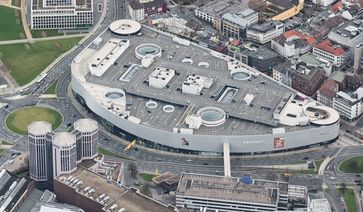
pixel 64 153
pixel 38 145
pixel 210 106
pixel 88 137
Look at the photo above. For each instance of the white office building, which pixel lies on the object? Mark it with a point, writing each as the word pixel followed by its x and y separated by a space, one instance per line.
pixel 136 10
pixel 196 191
pixel 318 205
pixel 38 154
pixel 64 153
pixel 323 3
pixel 349 33
pixel 87 142
pixel 333 53
pixel 61 14
pixel 265 32
pixel 349 105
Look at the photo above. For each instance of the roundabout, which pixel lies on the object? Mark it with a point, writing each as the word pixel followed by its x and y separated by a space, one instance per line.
pixel 19 120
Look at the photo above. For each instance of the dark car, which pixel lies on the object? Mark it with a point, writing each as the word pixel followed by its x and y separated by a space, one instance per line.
pixel 306 158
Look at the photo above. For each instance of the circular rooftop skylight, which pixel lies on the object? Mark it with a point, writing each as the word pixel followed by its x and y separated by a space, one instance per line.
pixel 212 116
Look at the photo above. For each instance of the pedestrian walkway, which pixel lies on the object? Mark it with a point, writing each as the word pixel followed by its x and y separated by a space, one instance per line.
pixel 25 23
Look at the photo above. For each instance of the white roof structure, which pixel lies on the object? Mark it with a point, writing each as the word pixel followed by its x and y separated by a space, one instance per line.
pixel 64 139
pixel 85 125
pixel 125 27
pixel 39 128
pixel 106 56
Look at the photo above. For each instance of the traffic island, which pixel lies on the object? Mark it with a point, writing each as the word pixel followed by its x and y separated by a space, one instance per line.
pixel 352 165
pixel 19 120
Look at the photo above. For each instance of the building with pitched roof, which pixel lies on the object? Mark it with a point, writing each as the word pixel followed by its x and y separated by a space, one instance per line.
pixel 292 44
pixel 335 53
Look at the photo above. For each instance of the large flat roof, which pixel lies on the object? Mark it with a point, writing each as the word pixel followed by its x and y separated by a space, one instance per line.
pixel 127 198
pixel 256 118
pixel 220 7
pixel 231 189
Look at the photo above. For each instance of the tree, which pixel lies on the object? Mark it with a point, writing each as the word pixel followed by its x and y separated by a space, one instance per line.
pixel 132 167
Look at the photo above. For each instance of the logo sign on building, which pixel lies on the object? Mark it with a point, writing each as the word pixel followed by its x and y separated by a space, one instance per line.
pixel 279 142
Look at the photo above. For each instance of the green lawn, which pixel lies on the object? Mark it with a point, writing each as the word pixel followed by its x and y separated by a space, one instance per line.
pixel 19 120
pixel 41 33
pixel 6 142
pixel 52 88
pixel 26 61
pixel 11 27
pixel 318 163
pixel 349 200
pixel 352 165
pixel 16 3
pixel 106 152
pixel 147 177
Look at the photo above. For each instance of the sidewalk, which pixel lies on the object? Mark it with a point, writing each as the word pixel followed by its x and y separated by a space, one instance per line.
pixel 25 23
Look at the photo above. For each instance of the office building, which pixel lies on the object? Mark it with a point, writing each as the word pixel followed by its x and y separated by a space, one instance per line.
pixel 53 154
pixel 265 32
pixel 323 3
pixel 64 153
pixel 196 191
pixel 88 136
pixel 348 34
pixel 40 158
pixel 333 53
pixel 140 9
pixel 349 104
pixel 254 55
pixel 318 205
pixel 234 24
pixel 61 14
pixel 213 11
pixel 136 10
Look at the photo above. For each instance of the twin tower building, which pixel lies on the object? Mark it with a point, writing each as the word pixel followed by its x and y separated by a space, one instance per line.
pixel 53 154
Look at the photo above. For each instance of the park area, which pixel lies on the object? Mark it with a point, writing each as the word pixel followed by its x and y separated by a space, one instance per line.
pixel 19 120
pixel 352 165
pixel 10 19
pixel 349 199
pixel 26 61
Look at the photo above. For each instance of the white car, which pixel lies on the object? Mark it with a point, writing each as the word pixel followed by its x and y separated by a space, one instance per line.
pixel 332 178
pixel 189 160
